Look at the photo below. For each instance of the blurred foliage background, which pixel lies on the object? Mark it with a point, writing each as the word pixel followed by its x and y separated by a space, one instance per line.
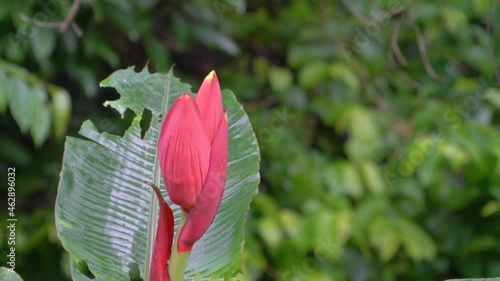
pixel 378 123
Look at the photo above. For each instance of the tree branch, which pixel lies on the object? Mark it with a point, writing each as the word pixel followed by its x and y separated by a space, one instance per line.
pixel 394 43
pixel 62 25
pixel 423 54
pixel 38 23
pixel 71 15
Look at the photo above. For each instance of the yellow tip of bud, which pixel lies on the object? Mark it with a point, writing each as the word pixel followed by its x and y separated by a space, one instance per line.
pixel 210 76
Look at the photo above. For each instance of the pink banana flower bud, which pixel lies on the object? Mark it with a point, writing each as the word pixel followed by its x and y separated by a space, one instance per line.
pixel 192 149
pixel 184 151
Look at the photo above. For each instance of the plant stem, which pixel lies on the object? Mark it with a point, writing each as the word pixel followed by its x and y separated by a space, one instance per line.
pixel 152 221
pixel 178 261
pixel 153 206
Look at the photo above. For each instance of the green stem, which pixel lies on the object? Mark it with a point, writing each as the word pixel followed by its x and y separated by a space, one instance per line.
pixel 178 261
pixel 153 213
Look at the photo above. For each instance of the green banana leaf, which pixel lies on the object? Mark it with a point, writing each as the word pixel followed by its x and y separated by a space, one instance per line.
pixel 7 275
pixel 102 206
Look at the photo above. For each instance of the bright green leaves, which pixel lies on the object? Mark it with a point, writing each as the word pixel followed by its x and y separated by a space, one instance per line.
pixel 103 195
pixel 387 235
pixel 347 74
pixel 372 177
pixel 19 97
pixel 343 178
pixel 365 141
pixel 4 92
pixel 61 105
pixel 270 232
pixel 280 78
pixel 41 115
pixel 313 74
pixel 378 225
pixel 417 243
pixel 43 42
pixel 384 237
pixel 492 95
pixel 36 106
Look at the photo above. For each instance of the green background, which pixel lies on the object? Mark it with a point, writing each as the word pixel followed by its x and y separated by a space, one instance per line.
pixel 378 123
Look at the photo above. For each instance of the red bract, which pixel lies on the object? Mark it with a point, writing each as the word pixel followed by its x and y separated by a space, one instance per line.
pixel 192 149
pixel 209 101
pixel 163 242
pixel 205 208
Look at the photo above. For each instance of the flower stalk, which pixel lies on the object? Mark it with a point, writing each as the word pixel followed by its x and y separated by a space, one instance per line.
pixel 178 261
